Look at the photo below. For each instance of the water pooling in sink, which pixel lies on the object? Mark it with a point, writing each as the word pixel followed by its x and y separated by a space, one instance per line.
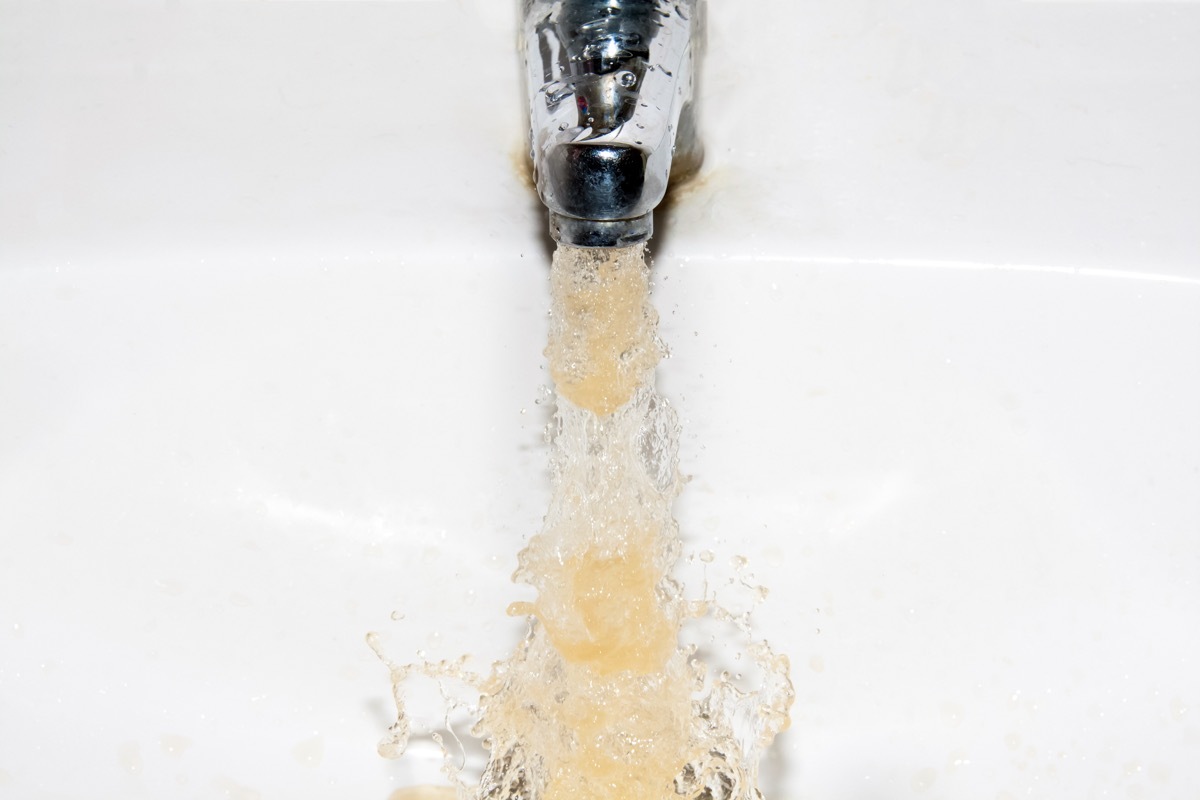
pixel 607 697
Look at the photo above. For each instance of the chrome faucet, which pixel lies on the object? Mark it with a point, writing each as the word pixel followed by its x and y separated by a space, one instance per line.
pixel 610 109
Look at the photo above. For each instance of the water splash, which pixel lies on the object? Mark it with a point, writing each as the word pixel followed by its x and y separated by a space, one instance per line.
pixel 607 697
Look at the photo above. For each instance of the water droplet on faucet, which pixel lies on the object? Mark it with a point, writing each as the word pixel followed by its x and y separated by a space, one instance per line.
pixel 556 92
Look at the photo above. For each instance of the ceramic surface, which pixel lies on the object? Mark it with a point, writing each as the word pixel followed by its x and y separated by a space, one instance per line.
pixel 272 304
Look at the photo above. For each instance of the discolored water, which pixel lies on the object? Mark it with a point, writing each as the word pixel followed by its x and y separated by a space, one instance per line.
pixel 602 700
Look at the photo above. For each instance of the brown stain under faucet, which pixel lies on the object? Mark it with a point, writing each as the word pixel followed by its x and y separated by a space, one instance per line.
pixel 690 184
pixel 522 165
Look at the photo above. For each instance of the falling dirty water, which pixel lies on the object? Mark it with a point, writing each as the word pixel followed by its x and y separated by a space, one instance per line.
pixel 607 697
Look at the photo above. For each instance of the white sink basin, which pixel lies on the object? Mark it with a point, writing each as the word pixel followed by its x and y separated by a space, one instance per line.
pixel 272 304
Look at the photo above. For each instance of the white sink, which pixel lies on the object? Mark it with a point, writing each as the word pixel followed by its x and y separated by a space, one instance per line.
pixel 272 305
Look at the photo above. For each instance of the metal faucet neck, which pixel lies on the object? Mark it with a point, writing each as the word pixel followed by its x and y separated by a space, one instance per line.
pixel 608 83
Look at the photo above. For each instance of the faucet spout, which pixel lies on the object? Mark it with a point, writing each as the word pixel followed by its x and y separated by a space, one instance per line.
pixel 610 86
